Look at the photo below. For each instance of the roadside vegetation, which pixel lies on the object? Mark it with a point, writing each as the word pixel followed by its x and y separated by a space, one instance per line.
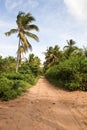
pixel 14 82
pixel 67 68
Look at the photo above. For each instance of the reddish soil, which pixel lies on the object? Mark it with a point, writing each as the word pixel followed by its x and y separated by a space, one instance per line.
pixel 45 107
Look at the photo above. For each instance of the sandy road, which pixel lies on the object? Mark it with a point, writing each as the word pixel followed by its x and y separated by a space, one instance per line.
pixel 45 107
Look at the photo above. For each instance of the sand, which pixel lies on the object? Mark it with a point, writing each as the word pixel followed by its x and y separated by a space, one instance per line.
pixel 45 107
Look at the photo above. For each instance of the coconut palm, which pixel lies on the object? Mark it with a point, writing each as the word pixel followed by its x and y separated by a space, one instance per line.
pixel 23 29
pixel 70 43
pixel 85 51
pixel 34 60
pixel 78 52
pixel 52 56
pixel 69 48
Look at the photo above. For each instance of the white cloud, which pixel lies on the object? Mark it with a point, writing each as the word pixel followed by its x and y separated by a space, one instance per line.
pixel 17 4
pixel 12 4
pixel 78 8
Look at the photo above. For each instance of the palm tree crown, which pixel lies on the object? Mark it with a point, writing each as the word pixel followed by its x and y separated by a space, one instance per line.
pixel 53 55
pixel 69 48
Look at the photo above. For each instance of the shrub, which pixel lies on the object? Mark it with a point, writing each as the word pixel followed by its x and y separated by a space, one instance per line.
pixel 30 78
pixel 72 73
pixel 5 85
pixel 72 85
pixel 13 84
pixel 25 69
pixel 13 76
pixel 10 89
pixel 11 94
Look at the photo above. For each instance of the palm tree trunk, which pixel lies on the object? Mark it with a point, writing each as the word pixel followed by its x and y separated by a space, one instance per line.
pixel 18 57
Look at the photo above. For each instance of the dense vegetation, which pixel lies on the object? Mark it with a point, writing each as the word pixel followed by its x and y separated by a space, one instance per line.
pixel 27 72
pixel 67 68
pixel 13 84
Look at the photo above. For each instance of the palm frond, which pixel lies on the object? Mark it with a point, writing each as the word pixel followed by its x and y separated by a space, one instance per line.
pixel 12 31
pixel 65 47
pixel 32 36
pixel 29 45
pixel 31 27
pixel 29 18
pixel 26 19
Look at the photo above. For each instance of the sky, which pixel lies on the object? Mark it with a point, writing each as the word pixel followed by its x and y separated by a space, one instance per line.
pixel 58 21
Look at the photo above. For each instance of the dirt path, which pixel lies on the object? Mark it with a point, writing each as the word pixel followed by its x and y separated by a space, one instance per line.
pixel 45 107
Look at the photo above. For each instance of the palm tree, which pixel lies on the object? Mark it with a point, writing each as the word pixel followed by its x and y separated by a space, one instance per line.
pixel 70 43
pixel 69 48
pixel 78 52
pixel 23 29
pixel 53 56
pixel 31 58
pixel 34 60
pixel 85 51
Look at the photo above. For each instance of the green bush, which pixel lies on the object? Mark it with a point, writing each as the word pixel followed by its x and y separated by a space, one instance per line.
pixel 84 82
pixel 5 87
pixel 25 69
pixel 35 69
pixel 13 76
pixel 72 85
pixel 30 78
pixel 71 73
pixel 10 89
pixel 11 94
pixel 13 84
pixel 21 86
pixel 5 84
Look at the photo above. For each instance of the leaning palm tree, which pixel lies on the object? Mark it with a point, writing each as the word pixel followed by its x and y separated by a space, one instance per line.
pixel 23 29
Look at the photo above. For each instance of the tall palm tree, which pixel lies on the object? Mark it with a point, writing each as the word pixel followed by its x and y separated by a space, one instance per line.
pixel 23 29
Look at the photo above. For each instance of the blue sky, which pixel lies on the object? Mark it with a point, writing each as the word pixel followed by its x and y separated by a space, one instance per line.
pixel 58 21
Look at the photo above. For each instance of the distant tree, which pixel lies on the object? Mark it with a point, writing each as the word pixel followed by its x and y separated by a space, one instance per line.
pixel 33 65
pixel 23 29
pixel 69 48
pixel 1 64
pixel 85 51
pixel 77 52
pixel 53 55
pixel 7 64
pixel 34 60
